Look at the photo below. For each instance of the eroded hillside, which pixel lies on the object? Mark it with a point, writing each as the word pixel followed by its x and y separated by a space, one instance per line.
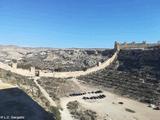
pixel 25 100
pixel 54 59
pixel 135 73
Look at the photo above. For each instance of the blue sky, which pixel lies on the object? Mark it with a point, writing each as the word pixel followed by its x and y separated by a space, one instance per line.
pixel 78 23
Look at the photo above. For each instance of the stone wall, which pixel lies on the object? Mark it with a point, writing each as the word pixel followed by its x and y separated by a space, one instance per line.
pixel 14 69
pixel 135 74
pixel 32 71
pixel 134 45
pixel 80 73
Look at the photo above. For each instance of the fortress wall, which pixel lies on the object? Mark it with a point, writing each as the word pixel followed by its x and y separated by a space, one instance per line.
pixel 134 45
pixel 68 74
pixel 101 66
pixel 23 72
pixel 59 74
pixel 16 70
pixel 43 74
pixel 80 73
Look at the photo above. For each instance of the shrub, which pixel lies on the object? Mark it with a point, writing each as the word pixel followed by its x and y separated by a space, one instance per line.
pixel 129 110
pixel 56 112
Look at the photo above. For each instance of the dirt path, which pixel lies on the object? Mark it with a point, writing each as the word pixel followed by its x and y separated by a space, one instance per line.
pixel 44 92
pixel 65 114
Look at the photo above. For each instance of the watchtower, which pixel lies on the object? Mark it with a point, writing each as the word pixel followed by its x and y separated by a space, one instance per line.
pixel 33 71
pixel 116 46
pixel 14 65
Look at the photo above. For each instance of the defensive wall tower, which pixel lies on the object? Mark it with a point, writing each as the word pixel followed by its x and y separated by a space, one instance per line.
pixel 33 70
pixel 14 65
pixel 116 46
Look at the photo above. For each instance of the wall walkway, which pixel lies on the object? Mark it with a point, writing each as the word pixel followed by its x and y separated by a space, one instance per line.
pixel 19 71
pixel 81 73
pixel 61 74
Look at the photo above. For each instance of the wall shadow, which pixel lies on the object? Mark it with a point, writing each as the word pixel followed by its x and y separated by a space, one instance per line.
pixel 17 105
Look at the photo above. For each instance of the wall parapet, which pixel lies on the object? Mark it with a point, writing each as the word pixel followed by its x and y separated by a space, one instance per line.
pixel 16 70
pixel 134 45
pixel 117 47
pixel 32 72
pixel 81 73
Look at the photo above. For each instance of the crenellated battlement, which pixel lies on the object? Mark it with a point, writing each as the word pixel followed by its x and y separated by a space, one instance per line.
pixel 134 45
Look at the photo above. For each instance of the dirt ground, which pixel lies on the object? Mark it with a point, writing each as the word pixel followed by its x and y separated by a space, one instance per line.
pixel 5 85
pixel 109 107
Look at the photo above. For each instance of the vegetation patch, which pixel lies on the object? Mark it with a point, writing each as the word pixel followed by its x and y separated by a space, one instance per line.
pixel 56 112
pixel 80 113
pixel 129 110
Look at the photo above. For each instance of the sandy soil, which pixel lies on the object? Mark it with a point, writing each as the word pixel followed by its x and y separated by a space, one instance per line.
pixel 5 85
pixel 109 109
pixel 65 114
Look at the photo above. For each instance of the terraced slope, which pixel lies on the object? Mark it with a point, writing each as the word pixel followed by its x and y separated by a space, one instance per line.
pixel 135 73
